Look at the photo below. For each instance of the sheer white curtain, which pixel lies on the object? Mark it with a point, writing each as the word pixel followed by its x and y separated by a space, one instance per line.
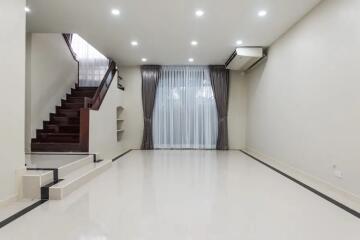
pixel 92 64
pixel 185 114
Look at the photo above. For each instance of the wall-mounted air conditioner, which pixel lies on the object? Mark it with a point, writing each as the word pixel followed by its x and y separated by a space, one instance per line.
pixel 245 58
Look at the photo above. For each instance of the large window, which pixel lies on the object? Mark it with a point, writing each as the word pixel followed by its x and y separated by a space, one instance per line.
pixel 185 113
pixel 92 64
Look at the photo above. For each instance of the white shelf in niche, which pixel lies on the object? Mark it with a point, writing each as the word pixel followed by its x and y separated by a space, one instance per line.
pixel 119 123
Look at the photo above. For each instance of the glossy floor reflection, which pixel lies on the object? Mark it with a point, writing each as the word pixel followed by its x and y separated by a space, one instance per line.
pixel 15 207
pixel 197 195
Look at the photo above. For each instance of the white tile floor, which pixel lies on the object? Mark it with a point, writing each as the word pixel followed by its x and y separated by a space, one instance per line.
pixel 14 207
pixel 199 195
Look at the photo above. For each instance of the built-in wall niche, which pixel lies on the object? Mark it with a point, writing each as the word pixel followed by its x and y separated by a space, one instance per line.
pixel 119 123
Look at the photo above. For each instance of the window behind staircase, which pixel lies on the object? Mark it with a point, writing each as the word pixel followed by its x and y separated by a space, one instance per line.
pixel 92 64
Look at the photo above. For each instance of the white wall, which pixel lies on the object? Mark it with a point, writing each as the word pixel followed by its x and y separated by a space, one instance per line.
pixel 304 102
pixel 12 97
pixel 134 114
pixel 103 125
pixel 51 74
pixel 28 93
pixel 237 114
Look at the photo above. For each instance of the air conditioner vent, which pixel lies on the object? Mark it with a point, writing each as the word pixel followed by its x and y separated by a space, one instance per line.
pixel 245 58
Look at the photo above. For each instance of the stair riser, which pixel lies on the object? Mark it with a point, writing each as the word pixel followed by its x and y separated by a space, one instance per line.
pixel 60 147
pixel 68 112
pixel 76 99
pixel 72 99
pixel 65 120
pixel 68 105
pixel 57 139
pixel 63 129
pixel 82 94
pixel 43 138
pixel 64 117
pixel 83 90
pixel 40 131
pixel 87 88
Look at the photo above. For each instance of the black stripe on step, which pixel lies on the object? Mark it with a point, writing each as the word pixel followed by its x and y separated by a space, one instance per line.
pixel 21 213
pixel 322 195
pixel 45 189
pixel 116 158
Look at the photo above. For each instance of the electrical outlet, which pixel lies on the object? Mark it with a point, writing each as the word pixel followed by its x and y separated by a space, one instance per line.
pixel 338 173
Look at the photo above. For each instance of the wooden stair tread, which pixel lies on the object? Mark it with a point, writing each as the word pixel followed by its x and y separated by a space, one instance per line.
pixel 51 123
pixel 61 134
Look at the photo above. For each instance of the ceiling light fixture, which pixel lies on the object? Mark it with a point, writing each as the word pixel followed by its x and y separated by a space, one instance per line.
pixel 199 13
pixel 115 12
pixel 144 59
pixel 194 43
pixel 239 42
pixel 262 13
pixel 134 43
pixel 27 9
pixel 191 60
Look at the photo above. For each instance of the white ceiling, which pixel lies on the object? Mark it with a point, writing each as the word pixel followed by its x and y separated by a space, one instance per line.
pixel 165 28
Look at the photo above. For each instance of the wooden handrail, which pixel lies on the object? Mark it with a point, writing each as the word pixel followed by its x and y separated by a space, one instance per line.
pixel 91 103
pixel 94 104
pixel 68 43
pixel 104 86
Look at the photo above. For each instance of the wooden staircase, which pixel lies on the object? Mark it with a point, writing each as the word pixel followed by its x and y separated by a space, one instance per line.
pixel 62 132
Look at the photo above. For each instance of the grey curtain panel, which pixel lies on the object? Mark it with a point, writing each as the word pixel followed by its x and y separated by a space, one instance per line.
pixel 219 77
pixel 150 79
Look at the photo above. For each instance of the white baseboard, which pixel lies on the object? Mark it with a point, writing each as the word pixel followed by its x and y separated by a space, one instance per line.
pixel 348 199
pixel 8 200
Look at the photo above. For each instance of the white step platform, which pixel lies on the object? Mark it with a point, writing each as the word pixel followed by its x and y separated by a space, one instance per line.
pixel 33 180
pixel 53 160
pixel 77 178
pixel 72 171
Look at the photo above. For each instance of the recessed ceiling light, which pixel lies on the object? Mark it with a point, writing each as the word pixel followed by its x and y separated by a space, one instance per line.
pixel 191 60
pixel 144 59
pixel 262 13
pixel 239 42
pixel 115 12
pixel 134 43
pixel 194 43
pixel 199 13
pixel 27 9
